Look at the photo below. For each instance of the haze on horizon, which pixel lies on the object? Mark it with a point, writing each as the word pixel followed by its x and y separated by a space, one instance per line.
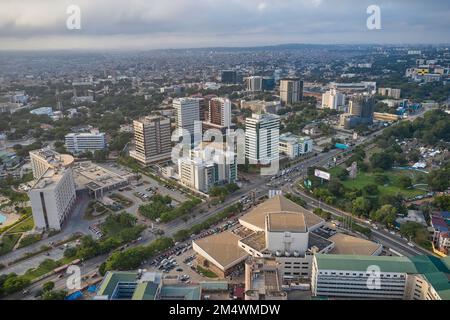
pixel 158 24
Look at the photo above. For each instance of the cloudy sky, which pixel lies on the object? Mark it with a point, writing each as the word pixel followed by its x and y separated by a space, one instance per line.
pixel 150 24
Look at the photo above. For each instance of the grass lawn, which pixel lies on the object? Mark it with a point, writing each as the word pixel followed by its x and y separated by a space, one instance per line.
pixel 8 242
pixel 23 226
pixel 365 178
pixel 206 273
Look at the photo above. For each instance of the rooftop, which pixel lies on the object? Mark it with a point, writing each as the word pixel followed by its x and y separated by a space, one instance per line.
pixel 286 222
pixel 222 248
pixel 95 177
pixel 256 217
pixel 345 244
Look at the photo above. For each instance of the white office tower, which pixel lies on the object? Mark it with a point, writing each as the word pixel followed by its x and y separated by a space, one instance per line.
pixel 333 99
pixel 152 141
pixel 53 193
pixel 209 164
pixel 220 112
pixel 84 142
pixel 262 133
pixel 253 84
pixel 188 112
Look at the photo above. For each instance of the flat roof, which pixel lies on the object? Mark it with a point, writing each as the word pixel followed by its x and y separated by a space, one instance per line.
pixel 180 292
pixel 286 222
pixel 361 263
pixel 345 244
pixel 111 280
pixel 145 291
pixel 256 240
pixel 256 217
pixel 96 177
pixel 223 248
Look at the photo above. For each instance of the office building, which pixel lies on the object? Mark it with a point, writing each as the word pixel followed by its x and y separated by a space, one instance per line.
pixel 229 76
pixel 152 140
pixel 253 84
pixel 53 193
pixel 208 165
pixel 389 92
pixel 188 113
pixel 220 112
pixel 380 277
pixel 361 111
pixel 291 90
pixel 262 138
pixel 98 180
pixel 333 99
pixel 84 142
pixel 268 84
pixel 294 146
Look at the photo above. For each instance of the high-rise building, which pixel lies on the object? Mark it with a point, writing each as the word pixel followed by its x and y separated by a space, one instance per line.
pixel 268 84
pixel 262 138
pixel 208 165
pixel 254 83
pixel 84 142
pixel 229 76
pixel 389 92
pixel 291 90
pixel 53 193
pixel 361 111
pixel 220 112
pixel 188 112
pixel 152 140
pixel 333 99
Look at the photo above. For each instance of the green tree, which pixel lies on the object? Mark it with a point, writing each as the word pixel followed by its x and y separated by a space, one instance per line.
pixel 361 206
pixel 48 286
pixel 386 215
pixel 404 182
pixel 54 295
pixel 442 202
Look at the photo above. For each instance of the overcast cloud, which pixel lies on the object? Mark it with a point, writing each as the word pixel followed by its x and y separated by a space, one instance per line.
pixel 148 24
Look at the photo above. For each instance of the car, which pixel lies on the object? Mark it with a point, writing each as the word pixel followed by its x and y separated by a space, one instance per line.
pixel 179 270
pixel 411 244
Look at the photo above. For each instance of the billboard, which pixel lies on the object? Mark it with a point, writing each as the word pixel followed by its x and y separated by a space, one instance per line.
pixel 322 174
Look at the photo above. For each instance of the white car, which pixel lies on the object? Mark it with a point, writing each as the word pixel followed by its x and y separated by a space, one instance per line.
pixel 411 244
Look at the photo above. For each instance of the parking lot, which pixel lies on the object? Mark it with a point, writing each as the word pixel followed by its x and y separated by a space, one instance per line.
pixel 141 192
pixel 178 263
